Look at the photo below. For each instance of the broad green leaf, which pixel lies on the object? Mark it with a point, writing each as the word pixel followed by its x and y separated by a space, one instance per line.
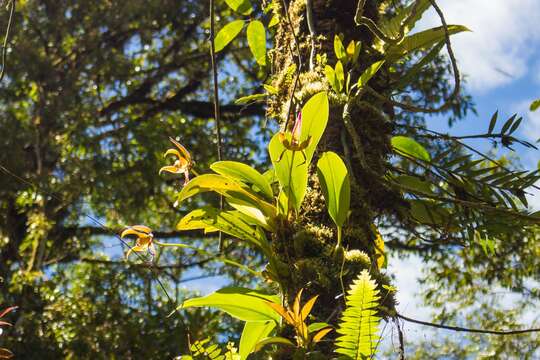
pixel 340 75
pixel 331 77
pixel 421 40
pixel 241 303
pixel 240 6
pixel 410 147
pixel 535 105
pixel 253 333
pixel 369 73
pixel 314 119
pixel 243 173
pixel 292 173
pixel 339 49
pixel 256 36
pixel 227 34
pixel 227 187
pixel 226 221
pixel 334 180
pixel 292 169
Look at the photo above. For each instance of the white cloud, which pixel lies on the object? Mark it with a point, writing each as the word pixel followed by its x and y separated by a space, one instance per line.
pixel 505 35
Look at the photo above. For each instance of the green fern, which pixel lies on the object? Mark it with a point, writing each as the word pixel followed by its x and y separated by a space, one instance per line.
pixel 359 326
pixel 204 351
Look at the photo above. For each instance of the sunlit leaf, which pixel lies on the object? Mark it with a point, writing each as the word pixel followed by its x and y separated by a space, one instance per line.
pixel 241 6
pixel 241 303
pixel 369 73
pixel 252 334
pixel 256 36
pixel 334 179
pixel 243 173
pixel 407 146
pixel 227 34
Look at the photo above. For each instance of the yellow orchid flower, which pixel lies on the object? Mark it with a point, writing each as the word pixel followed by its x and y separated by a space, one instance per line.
pixel 145 239
pixel 294 144
pixel 183 162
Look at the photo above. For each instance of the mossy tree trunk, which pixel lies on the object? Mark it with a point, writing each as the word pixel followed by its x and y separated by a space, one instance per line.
pixel 308 247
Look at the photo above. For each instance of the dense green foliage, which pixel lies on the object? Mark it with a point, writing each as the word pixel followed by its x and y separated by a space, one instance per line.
pixel 93 91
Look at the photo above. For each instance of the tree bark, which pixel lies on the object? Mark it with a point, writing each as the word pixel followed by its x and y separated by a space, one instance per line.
pixel 308 247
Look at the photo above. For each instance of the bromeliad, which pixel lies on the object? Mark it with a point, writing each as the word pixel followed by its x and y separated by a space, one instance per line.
pixel 145 239
pixel 183 163
pixel 294 143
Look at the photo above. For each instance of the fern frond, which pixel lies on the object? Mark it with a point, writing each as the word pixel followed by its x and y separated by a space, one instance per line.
pixel 359 325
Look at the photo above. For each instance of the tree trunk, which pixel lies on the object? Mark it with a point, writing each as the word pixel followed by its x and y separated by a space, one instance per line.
pixel 308 247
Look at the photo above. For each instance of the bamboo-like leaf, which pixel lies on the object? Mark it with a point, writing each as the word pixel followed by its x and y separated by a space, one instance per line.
pixel 273 340
pixel 319 336
pixel 492 122
pixel 358 328
pixel 256 36
pixel 410 147
pixel 241 303
pixel 412 74
pixel 421 40
pixel 227 34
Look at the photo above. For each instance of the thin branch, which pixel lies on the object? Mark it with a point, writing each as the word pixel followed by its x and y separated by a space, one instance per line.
pixel 6 40
pixel 462 329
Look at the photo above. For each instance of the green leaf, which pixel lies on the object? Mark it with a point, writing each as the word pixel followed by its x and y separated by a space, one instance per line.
pixel 535 105
pixel 421 40
pixel 292 173
pixel 245 174
pixel 240 6
pixel 256 36
pixel 227 187
pixel 425 212
pixel 227 34
pixel 403 17
pixel 331 77
pixel 340 75
pixel 314 119
pixel 252 334
pixel 292 169
pixel 250 98
pixel 241 303
pixel 410 147
pixel 339 49
pixel 493 121
pixel 369 73
pixel 334 179
pixel 226 221
pixel 273 21
pixel 317 326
